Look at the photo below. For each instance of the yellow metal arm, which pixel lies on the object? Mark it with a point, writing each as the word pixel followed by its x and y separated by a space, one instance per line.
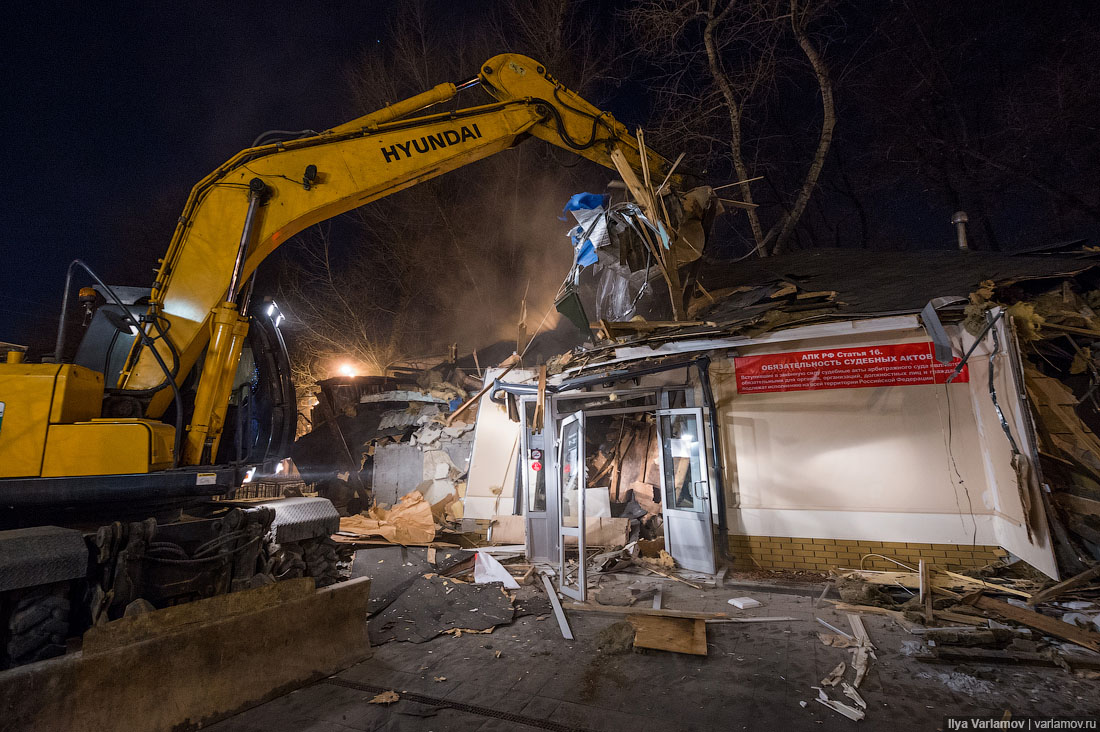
pixel 308 180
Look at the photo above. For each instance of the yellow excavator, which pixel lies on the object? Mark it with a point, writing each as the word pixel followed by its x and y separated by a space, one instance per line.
pixel 108 458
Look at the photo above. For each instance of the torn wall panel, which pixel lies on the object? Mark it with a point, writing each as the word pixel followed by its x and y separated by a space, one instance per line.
pixel 490 484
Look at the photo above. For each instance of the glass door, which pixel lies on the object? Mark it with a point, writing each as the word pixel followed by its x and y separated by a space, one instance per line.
pixel 685 485
pixel 538 488
pixel 571 482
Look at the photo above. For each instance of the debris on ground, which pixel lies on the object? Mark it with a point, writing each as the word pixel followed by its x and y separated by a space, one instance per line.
pixel 410 521
pixel 435 605
pixel 678 635
pixel 744 603
pixel 960 682
pixel 487 569
pixel 386 697
pixel 616 638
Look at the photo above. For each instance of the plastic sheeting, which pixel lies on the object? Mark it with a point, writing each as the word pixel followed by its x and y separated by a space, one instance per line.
pixel 590 234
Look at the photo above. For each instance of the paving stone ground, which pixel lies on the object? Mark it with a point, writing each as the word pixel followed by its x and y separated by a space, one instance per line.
pixel 754 678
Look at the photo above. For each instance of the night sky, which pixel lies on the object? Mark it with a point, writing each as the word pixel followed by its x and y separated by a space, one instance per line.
pixel 111 116
pixel 111 113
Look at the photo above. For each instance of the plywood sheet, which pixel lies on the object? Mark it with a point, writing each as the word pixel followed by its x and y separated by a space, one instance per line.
pixel 679 635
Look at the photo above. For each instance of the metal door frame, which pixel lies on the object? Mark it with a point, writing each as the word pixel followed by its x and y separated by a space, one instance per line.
pixel 704 496
pixel 539 437
pixel 580 593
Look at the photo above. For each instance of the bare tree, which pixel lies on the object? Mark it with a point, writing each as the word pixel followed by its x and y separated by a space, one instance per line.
pixel 452 259
pixel 338 314
pixel 999 123
pixel 720 63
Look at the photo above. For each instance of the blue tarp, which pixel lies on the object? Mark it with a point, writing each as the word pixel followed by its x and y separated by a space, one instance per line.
pixel 586 207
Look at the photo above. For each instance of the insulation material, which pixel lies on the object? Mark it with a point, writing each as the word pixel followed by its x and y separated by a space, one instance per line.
pixel 597 503
pixel 410 521
pixel 491 482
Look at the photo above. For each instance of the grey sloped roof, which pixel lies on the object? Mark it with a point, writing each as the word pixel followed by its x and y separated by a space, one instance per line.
pixel 872 282
pixel 755 295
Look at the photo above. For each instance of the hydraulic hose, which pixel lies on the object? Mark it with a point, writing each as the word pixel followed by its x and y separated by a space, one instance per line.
pixel 141 334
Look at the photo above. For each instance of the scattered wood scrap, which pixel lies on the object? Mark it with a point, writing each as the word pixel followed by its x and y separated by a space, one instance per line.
pixel 626 610
pixel 850 712
pixel 897 616
pixel 939 581
pixel 834 677
pixel 1042 623
pixel 679 635
pixel 762 619
pixel 1065 586
pixel 386 697
pixel 948 654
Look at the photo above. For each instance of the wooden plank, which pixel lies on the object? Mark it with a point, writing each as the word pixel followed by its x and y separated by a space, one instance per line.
pixel 926 591
pixel 679 635
pixel 540 399
pixel 762 619
pixel 1065 586
pixel 1032 619
pixel 858 631
pixel 508 364
pixel 670 576
pixel 953 617
pixel 626 610
pixel 897 615
pixel 1077 504
pixel 989 585
pixel 950 654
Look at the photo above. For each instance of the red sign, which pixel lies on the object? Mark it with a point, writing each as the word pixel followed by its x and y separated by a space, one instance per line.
pixel 537 466
pixel 902 364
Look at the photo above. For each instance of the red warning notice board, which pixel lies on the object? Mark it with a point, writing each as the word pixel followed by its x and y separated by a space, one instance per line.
pixel 900 364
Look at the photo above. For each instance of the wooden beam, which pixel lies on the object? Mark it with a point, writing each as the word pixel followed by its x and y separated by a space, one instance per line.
pixel 1072 329
pixel 511 362
pixel 988 585
pixel 626 610
pixel 1076 504
pixel 1042 623
pixel 1065 586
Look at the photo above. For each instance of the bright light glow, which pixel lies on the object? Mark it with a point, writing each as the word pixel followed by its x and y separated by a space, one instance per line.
pixel 280 468
pixel 271 309
pixel 248 476
pixel 279 320
pixel 347 369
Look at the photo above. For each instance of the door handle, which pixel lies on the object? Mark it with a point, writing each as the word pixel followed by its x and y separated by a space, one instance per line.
pixel 699 489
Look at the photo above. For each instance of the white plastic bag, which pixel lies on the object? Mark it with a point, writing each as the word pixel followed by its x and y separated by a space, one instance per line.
pixel 487 569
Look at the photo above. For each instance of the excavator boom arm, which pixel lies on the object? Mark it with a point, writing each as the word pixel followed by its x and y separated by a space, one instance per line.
pixel 239 214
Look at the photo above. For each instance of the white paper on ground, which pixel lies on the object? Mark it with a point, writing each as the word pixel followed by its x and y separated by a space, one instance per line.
pixel 488 569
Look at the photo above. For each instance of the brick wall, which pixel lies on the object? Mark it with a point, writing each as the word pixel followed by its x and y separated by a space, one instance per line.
pixel 786 552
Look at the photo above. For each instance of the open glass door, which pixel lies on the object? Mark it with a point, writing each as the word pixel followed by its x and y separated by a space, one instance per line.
pixel 685 483
pixel 571 482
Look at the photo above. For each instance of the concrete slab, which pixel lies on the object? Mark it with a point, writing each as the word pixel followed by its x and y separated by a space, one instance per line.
pixel 194 664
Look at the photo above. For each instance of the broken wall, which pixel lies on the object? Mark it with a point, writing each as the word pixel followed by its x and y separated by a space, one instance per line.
pixel 915 463
pixel 491 483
